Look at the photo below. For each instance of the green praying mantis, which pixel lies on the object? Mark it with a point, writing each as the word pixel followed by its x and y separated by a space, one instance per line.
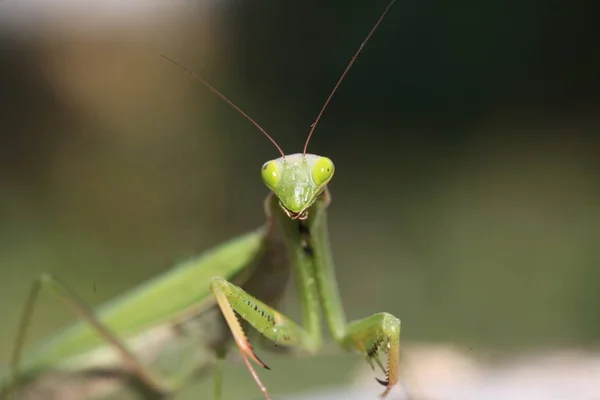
pixel 160 335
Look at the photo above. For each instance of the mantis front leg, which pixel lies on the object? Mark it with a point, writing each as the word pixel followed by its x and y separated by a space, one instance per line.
pixel 369 336
pixel 308 248
pixel 269 322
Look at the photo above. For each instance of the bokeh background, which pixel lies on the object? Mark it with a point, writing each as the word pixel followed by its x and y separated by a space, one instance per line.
pixel 466 199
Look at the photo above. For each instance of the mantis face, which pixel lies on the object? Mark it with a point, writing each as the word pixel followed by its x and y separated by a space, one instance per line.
pixel 297 180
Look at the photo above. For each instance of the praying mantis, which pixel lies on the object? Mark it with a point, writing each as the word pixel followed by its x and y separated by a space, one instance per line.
pixel 161 334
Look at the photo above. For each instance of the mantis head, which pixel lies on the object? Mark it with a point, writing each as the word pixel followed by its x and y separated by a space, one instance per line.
pixel 297 180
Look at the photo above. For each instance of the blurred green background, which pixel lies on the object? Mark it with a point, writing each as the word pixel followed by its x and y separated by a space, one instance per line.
pixel 466 199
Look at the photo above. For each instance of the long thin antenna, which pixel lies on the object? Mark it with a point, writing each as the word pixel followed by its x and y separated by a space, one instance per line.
pixel 314 125
pixel 222 96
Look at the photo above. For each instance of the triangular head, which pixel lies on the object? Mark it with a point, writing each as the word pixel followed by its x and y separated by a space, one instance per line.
pixel 297 180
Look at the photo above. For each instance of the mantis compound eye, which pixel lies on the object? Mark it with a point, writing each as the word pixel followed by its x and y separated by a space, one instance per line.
pixel 271 174
pixel 322 171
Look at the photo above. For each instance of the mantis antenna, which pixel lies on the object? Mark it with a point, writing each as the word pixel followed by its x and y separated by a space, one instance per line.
pixel 314 124
pixel 352 60
pixel 222 96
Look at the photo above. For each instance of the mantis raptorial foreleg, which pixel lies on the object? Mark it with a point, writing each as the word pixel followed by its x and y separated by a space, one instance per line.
pixel 152 383
pixel 309 252
pixel 270 323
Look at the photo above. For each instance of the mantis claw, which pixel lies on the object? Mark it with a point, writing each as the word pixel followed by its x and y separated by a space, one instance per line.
pixel 382 337
pixel 247 349
pixel 383 382
pixel 253 356
pixel 261 363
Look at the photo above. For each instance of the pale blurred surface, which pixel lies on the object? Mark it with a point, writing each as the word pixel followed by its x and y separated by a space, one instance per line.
pixel 442 372
pixel 466 199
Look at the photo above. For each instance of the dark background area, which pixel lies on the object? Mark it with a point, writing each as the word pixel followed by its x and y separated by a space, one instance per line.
pixel 466 199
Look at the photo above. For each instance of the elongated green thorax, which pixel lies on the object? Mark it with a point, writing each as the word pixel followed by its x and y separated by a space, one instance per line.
pixel 297 180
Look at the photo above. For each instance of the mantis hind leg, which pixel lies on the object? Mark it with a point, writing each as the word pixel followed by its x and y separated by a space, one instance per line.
pixel 142 379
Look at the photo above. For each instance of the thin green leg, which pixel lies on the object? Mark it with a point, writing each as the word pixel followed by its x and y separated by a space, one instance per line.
pixel 221 354
pixel 132 365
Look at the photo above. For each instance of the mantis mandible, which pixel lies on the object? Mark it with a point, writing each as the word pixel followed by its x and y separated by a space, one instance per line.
pixel 161 334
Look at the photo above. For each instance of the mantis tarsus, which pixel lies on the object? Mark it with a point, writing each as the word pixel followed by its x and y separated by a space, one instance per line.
pixel 163 332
